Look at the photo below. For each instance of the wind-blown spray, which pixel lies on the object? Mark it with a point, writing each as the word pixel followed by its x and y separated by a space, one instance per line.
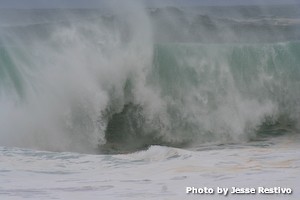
pixel 133 77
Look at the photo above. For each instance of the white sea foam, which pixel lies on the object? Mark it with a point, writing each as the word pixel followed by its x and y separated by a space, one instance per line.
pixel 61 83
pixel 157 173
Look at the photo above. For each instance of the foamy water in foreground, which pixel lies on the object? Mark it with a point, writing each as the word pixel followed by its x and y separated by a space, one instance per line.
pixel 126 77
pixel 157 173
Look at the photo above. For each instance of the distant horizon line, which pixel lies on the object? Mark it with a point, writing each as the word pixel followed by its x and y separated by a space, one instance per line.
pixel 162 6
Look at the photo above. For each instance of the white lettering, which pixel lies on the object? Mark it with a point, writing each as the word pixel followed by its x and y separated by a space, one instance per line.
pixel 236 190
pixel 274 190
pixel 223 191
pixel 194 190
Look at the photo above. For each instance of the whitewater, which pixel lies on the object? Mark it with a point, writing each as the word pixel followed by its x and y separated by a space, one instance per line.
pixel 130 102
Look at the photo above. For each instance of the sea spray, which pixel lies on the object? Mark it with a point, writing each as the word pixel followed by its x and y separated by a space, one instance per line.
pixel 125 80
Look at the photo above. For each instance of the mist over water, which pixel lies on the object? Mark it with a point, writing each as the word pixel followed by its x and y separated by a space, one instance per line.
pixel 92 81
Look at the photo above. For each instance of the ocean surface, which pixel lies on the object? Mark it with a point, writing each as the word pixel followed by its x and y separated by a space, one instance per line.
pixel 128 102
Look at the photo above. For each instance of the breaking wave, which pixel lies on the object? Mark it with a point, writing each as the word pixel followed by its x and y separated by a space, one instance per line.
pixel 120 82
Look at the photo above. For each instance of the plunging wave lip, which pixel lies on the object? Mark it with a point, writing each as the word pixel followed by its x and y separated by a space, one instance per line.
pixel 141 142
pixel 67 75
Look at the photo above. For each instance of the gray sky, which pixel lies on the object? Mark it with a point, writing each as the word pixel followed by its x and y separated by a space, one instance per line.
pixel 99 3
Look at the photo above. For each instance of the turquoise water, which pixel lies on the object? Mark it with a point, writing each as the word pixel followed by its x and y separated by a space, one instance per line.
pixel 138 103
pixel 112 82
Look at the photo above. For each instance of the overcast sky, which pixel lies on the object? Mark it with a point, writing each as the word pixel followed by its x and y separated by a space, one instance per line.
pixel 99 3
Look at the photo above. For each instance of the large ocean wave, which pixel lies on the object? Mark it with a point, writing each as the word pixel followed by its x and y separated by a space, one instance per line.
pixel 122 81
